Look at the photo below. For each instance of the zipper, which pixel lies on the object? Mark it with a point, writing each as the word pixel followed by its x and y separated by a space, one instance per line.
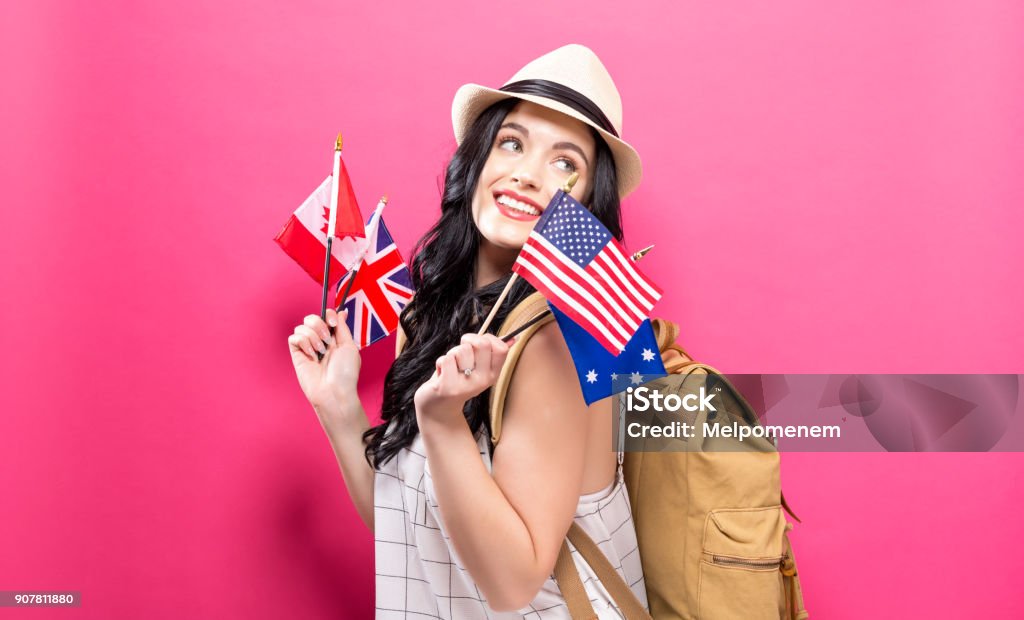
pixel 761 564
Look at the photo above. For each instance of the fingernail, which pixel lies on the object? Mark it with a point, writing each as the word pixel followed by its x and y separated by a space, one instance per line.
pixel 332 321
pixel 320 347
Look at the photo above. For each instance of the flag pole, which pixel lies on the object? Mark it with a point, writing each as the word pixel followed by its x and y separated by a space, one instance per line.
pixel 637 256
pixel 331 226
pixel 567 188
pixel 642 253
pixel 332 223
pixel 374 222
pixel 348 285
pixel 497 304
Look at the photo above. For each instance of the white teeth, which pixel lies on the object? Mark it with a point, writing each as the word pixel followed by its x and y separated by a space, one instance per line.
pixel 516 205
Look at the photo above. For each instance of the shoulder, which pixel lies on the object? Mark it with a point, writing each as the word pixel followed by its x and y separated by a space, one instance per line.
pixel 544 377
pixel 545 356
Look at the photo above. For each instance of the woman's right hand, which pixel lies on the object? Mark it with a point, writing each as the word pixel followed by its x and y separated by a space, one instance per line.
pixel 329 384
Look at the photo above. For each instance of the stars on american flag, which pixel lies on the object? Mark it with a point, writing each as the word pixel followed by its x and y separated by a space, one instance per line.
pixel 580 238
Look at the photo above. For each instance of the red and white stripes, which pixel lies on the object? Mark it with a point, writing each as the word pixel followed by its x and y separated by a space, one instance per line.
pixel 610 298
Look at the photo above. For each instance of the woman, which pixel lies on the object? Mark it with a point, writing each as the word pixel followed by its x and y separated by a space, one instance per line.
pixel 463 529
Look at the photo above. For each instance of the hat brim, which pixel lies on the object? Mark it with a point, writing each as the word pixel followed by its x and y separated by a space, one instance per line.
pixel 472 99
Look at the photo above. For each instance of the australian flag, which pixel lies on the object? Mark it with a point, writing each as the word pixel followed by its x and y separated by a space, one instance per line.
pixel 382 287
pixel 603 373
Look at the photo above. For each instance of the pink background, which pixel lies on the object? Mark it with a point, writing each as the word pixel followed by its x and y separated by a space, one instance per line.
pixel 830 186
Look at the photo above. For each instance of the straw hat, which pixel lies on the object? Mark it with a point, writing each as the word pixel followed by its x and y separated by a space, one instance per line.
pixel 572 81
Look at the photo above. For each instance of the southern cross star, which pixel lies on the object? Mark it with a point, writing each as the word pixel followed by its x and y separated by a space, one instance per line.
pixel 648 355
pixel 591 377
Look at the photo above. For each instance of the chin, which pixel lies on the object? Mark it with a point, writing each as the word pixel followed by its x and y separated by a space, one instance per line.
pixel 503 234
pixel 506 242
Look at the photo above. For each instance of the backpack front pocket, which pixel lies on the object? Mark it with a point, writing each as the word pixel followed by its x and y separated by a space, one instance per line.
pixel 742 556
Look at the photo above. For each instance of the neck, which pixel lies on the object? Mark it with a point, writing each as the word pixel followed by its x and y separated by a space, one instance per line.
pixel 493 263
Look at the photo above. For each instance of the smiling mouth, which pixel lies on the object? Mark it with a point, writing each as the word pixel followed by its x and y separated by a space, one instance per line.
pixel 516 209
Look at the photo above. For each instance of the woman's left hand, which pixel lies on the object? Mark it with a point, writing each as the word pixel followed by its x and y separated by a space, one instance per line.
pixel 464 372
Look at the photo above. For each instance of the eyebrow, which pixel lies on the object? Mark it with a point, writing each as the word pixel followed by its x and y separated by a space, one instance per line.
pixel 558 145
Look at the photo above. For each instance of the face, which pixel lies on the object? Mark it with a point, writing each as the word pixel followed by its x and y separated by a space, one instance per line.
pixel 534 153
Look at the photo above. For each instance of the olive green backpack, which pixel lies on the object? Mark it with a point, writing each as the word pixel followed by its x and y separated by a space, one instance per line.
pixel 713 538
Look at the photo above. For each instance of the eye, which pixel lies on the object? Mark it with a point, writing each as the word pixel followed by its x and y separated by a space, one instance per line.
pixel 510 144
pixel 566 165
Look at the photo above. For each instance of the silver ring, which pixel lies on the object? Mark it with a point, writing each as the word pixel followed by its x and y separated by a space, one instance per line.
pixel 467 371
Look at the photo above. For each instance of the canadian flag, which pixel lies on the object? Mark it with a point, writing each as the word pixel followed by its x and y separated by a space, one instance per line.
pixel 304 236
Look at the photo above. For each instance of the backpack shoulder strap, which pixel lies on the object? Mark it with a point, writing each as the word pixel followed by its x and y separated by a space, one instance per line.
pixel 665 332
pixel 524 311
pixel 673 356
pixel 568 579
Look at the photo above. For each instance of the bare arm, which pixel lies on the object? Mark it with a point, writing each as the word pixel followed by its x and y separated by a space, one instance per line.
pixel 330 386
pixel 346 437
pixel 507 529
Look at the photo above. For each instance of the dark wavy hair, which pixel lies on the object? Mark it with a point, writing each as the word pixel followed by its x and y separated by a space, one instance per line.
pixel 447 304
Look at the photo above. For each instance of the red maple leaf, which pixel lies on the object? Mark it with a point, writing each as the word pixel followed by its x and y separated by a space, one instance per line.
pixel 327 219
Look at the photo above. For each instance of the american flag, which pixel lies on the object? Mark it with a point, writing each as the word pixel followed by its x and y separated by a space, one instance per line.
pixel 582 270
pixel 382 287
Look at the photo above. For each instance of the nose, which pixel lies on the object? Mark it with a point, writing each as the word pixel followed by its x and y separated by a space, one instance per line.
pixel 526 173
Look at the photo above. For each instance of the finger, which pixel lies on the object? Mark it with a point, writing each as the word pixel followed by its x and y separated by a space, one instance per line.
pixel 498 350
pixel 498 345
pixel 481 351
pixel 465 358
pixel 317 324
pixel 300 343
pixel 447 369
pixel 312 337
pixel 332 318
pixel 295 343
pixel 341 332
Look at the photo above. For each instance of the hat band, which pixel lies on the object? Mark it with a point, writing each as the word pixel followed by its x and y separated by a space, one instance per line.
pixel 565 95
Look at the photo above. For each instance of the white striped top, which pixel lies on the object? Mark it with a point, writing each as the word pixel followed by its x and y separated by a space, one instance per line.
pixel 419 575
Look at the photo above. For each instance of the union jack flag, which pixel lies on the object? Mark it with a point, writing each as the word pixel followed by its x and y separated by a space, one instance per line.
pixel 582 270
pixel 382 287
